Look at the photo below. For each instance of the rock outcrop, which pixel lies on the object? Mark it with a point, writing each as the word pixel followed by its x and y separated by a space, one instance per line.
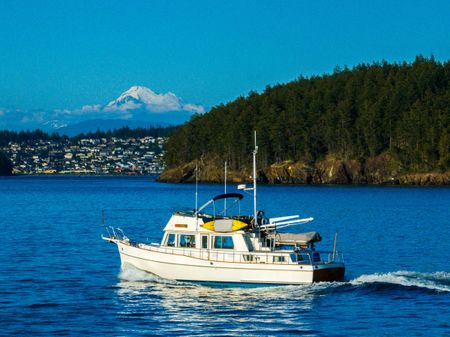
pixel 332 170
pixel 289 172
pixel 380 170
pixel 179 174
pixel 210 172
pixel 425 179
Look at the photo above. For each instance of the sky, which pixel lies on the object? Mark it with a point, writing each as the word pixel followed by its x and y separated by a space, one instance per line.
pixel 66 54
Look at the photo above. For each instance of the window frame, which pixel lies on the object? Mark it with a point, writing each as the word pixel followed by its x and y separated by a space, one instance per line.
pixel 175 241
pixel 279 259
pixel 222 241
pixel 204 236
pixel 187 235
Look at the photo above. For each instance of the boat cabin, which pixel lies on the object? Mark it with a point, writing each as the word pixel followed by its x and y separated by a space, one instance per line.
pixel 232 236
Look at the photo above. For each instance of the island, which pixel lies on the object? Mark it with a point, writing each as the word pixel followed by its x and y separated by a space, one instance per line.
pixel 380 123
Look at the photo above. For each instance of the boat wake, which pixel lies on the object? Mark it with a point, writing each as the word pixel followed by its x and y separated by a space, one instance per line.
pixel 434 282
pixel 437 282
pixel 133 275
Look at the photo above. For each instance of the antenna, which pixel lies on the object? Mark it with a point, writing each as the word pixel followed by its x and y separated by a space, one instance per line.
pixel 196 186
pixel 245 188
pixel 225 191
pixel 255 151
pixel 334 245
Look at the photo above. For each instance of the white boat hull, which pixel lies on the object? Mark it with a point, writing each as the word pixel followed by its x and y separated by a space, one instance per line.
pixel 185 268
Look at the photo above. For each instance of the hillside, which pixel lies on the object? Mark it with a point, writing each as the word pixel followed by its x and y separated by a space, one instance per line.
pixel 378 123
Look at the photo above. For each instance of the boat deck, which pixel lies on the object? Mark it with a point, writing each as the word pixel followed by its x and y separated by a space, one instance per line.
pixel 302 257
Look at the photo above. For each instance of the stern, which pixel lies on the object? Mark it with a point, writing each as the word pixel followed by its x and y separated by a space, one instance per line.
pixel 329 274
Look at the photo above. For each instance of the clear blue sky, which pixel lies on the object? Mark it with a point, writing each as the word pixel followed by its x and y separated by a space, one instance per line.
pixel 64 54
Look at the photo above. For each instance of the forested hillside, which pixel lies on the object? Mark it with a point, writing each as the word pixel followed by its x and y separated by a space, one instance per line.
pixel 399 111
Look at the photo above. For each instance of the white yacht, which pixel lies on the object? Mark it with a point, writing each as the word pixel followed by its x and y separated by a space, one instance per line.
pixel 199 246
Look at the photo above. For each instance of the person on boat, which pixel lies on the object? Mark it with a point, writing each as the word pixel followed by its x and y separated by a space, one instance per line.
pixel 190 242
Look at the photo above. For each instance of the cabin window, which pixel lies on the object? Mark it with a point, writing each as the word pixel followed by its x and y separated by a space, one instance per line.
pixel 279 259
pixel 269 242
pixel 316 257
pixel 223 242
pixel 171 240
pixel 284 247
pixel 187 241
pixel 304 257
pixel 204 241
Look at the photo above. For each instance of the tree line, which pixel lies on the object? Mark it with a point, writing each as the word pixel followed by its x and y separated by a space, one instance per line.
pixel 399 108
pixel 7 136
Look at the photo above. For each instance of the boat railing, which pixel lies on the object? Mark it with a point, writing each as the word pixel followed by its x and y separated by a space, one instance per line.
pixel 114 233
pixel 301 257
pixel 293 258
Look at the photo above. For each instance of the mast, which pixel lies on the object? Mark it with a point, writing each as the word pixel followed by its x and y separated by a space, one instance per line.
pixel 196 195
pixel 255 151
pixel 196 186
pixel 225 191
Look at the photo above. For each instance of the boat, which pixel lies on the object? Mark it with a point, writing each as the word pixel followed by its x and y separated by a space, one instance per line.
pixel 213 247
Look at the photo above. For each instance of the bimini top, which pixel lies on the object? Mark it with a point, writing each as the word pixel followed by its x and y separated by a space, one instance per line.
pixel 301 238
pixel 228 195
pixel 219 197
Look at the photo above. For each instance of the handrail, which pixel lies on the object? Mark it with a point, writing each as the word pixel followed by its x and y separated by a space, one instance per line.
pixel 115 233
pixel 301 257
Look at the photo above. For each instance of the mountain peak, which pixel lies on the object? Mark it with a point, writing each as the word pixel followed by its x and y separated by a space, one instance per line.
pixel 137 91
pixel 140 97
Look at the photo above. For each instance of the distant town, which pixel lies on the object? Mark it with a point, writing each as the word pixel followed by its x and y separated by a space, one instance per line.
pixel 90 155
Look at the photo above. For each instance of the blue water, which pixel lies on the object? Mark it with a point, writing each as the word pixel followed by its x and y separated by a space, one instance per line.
pixel 58 277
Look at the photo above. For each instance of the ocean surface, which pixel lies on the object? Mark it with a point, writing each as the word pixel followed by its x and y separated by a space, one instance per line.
pixel 59 278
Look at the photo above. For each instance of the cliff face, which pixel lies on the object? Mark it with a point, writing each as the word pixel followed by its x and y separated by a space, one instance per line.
pixel 379 170
pixel 206 173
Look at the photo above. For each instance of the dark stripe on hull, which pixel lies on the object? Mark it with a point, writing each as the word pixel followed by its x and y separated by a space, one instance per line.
pixel 239 284
pixel 329 274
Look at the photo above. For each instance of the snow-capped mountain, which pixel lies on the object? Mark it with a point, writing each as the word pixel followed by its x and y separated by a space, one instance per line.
pixel 138 97
pixel 138 106
pixel 55 124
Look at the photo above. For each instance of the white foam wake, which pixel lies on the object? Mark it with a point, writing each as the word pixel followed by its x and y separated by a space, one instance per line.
pixel 439 281
pixel 131 274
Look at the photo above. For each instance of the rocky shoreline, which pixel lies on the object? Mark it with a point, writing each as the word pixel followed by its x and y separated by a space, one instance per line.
pixel 379 170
